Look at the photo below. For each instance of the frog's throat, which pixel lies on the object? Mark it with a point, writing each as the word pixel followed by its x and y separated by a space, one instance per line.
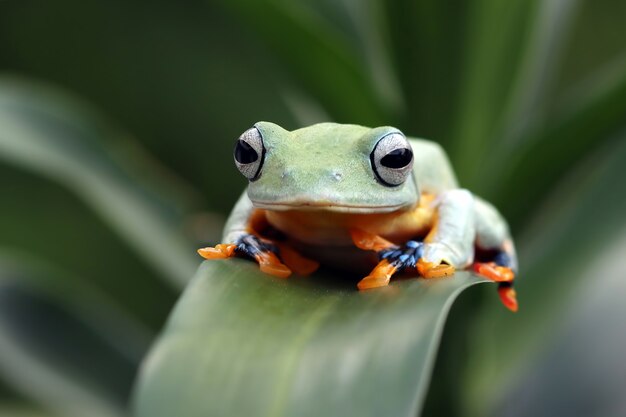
pixel 329 206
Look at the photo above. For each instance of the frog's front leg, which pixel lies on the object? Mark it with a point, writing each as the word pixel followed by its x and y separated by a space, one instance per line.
pixel 450 243
pixel 266 253
pixel 241 233
pixel 262 251
pixel 462 222
pixel 393 258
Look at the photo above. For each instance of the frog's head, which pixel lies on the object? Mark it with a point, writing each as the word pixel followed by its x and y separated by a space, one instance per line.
pixel 328 166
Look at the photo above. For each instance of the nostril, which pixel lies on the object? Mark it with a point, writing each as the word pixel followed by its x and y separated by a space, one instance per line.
pixel 336 175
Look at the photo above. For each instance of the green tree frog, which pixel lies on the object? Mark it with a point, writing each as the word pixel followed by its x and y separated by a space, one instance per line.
pixel 361 199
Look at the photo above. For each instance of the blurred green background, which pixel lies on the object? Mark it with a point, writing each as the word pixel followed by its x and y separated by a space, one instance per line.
pixel 117 121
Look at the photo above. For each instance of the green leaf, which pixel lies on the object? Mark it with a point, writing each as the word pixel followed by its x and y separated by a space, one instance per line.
pixel 49 134
pixel 241 343
pixel 65 346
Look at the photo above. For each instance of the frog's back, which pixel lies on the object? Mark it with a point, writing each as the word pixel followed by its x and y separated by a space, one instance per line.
pixel 431 166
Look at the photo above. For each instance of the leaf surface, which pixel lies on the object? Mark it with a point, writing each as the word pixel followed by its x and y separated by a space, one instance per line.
pixel 242 343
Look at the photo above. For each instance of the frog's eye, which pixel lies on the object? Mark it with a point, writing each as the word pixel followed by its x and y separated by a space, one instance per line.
pixel 249 153
pixel 392 159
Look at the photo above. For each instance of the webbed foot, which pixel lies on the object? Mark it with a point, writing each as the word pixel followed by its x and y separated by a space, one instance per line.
pixel 500 270
pixel 369 241
pixel 295 261
pixel 262 251
pixel 393 258
pixel 221 251
pixel 379 277
pixel 434 270
pixel 494 272
pixel 508 297
pixel 277 259
pixel 436 260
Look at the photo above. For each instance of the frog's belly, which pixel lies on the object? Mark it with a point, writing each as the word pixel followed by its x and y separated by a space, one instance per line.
pixel 325 236
pixel 326 228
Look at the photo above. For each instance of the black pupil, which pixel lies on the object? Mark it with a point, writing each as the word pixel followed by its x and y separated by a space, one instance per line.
pixel 398 158
pixel 244 153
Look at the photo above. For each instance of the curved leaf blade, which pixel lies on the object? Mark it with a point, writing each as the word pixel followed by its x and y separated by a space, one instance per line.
pixel 242 343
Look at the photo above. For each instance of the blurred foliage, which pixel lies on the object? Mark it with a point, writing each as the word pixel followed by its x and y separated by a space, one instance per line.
pixel 528 98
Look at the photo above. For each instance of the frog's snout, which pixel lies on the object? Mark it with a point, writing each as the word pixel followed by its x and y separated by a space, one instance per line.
pixel 333 174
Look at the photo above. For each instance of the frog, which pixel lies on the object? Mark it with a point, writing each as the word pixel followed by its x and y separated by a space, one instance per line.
pixel 361 199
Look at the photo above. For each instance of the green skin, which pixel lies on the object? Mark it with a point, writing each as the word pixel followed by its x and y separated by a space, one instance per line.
pixel 327 167
pixel 302 167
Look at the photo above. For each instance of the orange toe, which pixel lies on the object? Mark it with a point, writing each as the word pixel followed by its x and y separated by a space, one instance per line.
pixel 296 262
pixel 508 298
pixel 221 251
pixel 432 270
pixel 370 282
pixel 379 277
pixel 494 272
pixel 270 264
pixel 369 241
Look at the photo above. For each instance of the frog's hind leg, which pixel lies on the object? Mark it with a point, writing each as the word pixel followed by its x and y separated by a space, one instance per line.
pixel 495 253
pixel 369 241
pixel 295 261
pixel 500 271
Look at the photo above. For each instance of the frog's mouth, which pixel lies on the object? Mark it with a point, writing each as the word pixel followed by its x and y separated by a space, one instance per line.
pixel 326 206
